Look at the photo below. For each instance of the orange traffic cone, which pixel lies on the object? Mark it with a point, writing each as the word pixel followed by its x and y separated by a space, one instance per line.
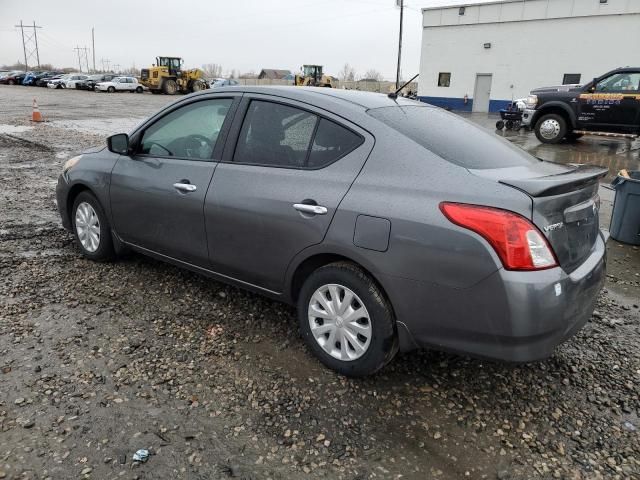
pixel 36 116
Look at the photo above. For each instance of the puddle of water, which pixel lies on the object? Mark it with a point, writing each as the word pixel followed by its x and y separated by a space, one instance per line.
pixel 98 126
pixel 13 128
pixel 613 154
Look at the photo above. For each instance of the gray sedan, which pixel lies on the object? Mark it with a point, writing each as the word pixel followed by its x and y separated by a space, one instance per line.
pixel 391 224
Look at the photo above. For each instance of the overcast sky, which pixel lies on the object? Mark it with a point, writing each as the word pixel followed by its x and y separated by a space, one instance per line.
pixel 243 35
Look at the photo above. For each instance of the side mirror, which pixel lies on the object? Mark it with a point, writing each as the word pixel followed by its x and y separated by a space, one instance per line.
pixel 118 143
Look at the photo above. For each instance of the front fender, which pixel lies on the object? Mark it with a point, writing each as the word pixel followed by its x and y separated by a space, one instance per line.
pixel 554 105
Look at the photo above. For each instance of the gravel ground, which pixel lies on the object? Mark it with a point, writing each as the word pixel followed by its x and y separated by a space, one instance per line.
pixel 99 360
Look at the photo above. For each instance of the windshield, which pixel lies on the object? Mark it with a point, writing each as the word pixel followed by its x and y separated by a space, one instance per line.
pixel 309 70
pixel 452 137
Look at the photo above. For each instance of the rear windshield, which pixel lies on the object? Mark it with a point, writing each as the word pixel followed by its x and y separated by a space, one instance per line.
pixel 452 137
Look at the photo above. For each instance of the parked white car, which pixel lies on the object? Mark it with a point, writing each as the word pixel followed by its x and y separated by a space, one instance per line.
pixel 60 82
pixel 73 79
pixel 120 84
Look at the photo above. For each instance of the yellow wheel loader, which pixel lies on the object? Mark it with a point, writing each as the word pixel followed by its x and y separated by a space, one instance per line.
pixel 312 77
pixel 167 76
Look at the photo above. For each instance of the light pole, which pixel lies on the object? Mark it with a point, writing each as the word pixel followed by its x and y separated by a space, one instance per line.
pixel 399 3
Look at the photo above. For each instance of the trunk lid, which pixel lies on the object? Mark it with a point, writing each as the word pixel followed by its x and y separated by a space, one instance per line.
pixel 565 204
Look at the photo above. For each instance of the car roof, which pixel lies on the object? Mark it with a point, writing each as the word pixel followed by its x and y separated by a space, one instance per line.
pixel 313 95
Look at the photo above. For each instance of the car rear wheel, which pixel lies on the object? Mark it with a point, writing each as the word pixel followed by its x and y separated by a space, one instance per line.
pixel 551 128
pixel 111 89
pixel 91 228
pixel 11 82
pixel 139 90
pixel 346 320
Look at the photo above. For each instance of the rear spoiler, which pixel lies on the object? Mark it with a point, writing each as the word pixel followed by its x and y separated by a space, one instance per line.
pixel 580 177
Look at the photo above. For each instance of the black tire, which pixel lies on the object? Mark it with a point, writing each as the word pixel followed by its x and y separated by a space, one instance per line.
pixel 11 82
pixel 104 250
pixel 558 133
pixel 139 90
pixel 384 341
pixel 509 124
pixel 111 90
pixel 197 86
pixel 169 87
pixel 499 124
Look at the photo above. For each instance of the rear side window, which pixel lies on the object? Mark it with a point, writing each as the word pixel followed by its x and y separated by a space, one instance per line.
pixel 331 142
pixel 282 136
pixel 275 135
pixel 452 138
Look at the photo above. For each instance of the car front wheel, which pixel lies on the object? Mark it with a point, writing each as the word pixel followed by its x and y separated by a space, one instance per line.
pixel 111 89
pixel 551 128
pixel 346 320
pixel 91 228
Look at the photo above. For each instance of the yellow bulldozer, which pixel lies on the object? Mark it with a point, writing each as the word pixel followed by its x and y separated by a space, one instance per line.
pixel 167 76
pixel 312 76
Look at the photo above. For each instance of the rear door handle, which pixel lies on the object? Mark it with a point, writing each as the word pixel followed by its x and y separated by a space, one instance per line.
pixel 185 187
pixel 310 209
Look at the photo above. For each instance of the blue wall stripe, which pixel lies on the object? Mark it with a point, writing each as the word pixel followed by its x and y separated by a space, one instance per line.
pixel 457 104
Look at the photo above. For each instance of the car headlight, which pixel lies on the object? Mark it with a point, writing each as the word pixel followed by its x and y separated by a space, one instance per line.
pixel 70 163
pixel 531 101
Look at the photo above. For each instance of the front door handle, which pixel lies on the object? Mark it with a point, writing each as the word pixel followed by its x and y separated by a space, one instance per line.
pixel 310 209
pixel 185 187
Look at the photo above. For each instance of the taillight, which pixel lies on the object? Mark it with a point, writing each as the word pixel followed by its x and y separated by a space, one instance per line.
pixel 516 240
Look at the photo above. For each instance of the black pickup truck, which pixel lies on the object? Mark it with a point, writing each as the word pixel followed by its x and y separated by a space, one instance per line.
pixel 607 106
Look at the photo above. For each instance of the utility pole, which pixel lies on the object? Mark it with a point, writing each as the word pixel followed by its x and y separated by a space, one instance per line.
pixel 400 3
pixel 29 44
pixel 93 49
pixel 35 36
pixel 84 55
pixel 77 49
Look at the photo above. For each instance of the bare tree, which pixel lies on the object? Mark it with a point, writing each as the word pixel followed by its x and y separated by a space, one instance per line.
pixel 373 74
pixel 133 71
pixel 347 74
pixel 250 74
pixel 212 70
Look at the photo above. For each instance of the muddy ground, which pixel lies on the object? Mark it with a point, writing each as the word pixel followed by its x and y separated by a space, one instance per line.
pixel 99 360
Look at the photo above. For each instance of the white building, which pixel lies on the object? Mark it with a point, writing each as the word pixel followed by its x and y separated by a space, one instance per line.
pixel 479 57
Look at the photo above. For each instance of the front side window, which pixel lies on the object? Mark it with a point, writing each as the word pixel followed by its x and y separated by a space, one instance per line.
pixel 620 82
pixel 444 79
pixel 275 135
pixel 189 132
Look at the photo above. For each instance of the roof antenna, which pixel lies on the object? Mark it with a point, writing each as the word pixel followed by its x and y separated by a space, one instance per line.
pixel 394 95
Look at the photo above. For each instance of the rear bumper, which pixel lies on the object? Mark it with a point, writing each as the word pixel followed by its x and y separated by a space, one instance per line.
pixel 510 316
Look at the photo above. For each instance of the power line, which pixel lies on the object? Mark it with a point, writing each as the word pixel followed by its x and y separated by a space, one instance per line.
pixel 29 43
